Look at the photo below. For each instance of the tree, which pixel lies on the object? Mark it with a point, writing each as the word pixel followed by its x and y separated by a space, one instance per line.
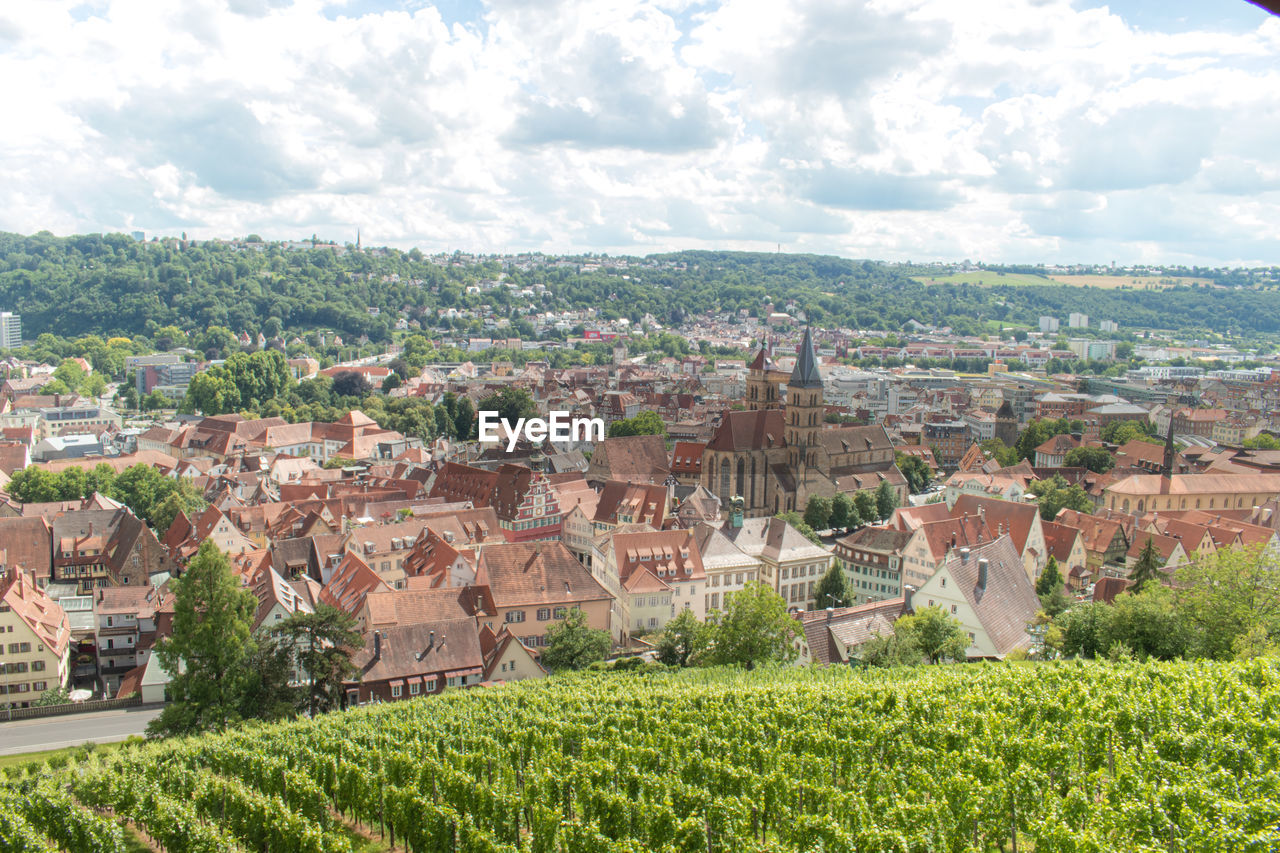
pixel 647 422
pixel 817 513
pixel 794 519
pixel 511 404
pixel 1054 494
pixel 572 644
pixel 886 500
pixel 887 650
pixel 1147 569
pixel 1226 596
pixel 1051 578
pixel 392 382
pixel 916 472
pixel 1000 452
pixel 53 696
pixel 754 629
pixel 833 588
pixel 1122 432
pixel 1085 630
pixel 842 511
pixel 350 383
pixel 322 643
pixel 210 644
pixel 1096 459
pixel 267 692
pixel 865 503
pixel 683 640
pixel 935 633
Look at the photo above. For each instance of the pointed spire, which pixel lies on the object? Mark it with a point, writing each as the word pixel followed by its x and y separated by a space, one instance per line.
pixel 805 374
pixel 1166 468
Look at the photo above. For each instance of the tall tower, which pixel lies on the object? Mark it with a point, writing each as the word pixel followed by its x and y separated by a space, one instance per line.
pixel 762 390
pixel 804 409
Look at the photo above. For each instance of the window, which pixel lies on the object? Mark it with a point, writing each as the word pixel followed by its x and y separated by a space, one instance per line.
pixel 39 686
pixel 110 621
pixel 954 608
pixel 544 613
pixel 37 666
pixel 395 691
pixel 515 616
pixel 429 684
pixel 944 583
pixel 453 681
pixel 560 612
pixel 353 698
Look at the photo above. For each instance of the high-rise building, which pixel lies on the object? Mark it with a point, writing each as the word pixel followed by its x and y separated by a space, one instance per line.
pixel 1048 324
pixel 10 330
pixel 1078 321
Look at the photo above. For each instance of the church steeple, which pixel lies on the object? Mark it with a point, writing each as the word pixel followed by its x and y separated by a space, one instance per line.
pixel 804 409
pixel 1166 467
pixel 805 374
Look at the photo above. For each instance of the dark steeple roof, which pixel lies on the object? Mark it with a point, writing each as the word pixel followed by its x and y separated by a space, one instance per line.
pixel 805 374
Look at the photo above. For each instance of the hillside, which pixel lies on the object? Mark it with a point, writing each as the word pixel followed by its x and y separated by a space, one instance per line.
pixel 110 285
pixel 1068 756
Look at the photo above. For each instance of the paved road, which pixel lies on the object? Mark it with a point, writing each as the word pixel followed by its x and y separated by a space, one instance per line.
pixel 73 729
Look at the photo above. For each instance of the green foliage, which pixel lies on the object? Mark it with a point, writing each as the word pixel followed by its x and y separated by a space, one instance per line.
pixel 323 642
pixel 999 451
pixel 511 404
pixel 614 763
pixel 915 470
pixel 754 629
pixel 817 513
pixel 242 382
pixel 1054 494
pixel 645 423
pixel 833 589
pixel 1147 569
pixel 886 500
pixel 795 520
pixel 865 503
pixel 684 640
pixel 1096 459
pixel 1262 441
pixel 1122 432
pixel 207 652
pixel 844 514
pixel 53 696
pixel 152 496
pixel 1038 432
pixel 573 644
pixel 1226 596
pixel 934 634
pixel 1051 578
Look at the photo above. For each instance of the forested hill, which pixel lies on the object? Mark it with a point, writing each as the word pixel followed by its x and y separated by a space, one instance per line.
pixel 110 285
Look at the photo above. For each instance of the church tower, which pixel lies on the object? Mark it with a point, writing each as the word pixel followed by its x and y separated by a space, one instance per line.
pixel 804 410
pixel 762 389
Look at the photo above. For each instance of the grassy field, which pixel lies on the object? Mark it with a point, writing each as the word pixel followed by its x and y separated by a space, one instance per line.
pixel 987 278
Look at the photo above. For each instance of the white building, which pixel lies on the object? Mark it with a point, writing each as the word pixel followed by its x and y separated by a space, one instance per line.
pixel 1048 324
pixel 10 330
pixel 1078 321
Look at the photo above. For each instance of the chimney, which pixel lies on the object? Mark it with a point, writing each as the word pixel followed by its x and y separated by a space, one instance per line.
pixel 431 639
pixel 830 611
pixel 964 555
pixel 377 645
pixel 982 573
pixel 908 594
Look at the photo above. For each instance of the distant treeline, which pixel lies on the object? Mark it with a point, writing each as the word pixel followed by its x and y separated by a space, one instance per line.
pixel 112 285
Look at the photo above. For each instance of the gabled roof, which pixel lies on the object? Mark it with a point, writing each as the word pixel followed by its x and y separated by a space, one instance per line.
pixel 1007 603
pixel 351 582
pixel 530 573
pixel 758 430
pixel 46 619
pixel 1017 519
pixel 1059 539
pixel 829 632
pixel 428 648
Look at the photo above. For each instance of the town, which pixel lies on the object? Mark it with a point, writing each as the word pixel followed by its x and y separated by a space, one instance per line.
pixel 826 464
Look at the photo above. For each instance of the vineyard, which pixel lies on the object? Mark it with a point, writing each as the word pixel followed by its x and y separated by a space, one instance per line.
pixel 1054 757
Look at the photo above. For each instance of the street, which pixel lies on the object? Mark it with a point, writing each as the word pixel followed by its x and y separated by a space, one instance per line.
pixel 74 729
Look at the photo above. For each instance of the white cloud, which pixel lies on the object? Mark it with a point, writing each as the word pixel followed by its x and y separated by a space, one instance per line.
pixel 1001 129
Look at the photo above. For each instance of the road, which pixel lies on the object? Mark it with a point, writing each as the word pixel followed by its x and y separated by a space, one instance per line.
pixel 73 729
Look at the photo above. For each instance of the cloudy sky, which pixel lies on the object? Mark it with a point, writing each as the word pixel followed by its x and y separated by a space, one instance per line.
pixel 1001 130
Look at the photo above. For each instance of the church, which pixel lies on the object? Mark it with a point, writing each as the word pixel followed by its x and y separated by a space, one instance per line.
pixel 779 453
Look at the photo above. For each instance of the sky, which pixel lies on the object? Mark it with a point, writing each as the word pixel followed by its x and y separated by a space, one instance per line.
pixel 1015 131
